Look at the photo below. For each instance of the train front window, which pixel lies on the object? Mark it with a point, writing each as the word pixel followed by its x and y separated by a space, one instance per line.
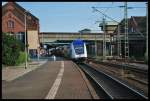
pixel 79 49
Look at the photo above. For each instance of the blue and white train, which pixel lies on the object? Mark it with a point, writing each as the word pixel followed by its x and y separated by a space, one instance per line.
pixel 78 51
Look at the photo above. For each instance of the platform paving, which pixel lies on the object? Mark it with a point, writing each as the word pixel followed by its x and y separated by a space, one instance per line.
pixel 10 73
pixel 73 85
pixel 33 85
pixel 37 84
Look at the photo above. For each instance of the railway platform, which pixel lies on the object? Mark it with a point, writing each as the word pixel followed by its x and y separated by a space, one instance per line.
pixel 72 85
pixel 52 80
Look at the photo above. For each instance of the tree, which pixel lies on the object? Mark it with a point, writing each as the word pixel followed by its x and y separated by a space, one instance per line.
pixel 11 48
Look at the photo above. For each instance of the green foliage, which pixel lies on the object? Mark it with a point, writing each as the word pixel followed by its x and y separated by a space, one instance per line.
pixel 21 58
pixel 11 48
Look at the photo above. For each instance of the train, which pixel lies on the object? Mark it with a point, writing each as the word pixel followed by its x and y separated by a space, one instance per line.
pixel 78 51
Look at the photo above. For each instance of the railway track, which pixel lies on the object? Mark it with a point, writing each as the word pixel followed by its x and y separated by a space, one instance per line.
pixel 112 88
pixel 124 66
pixel 140 78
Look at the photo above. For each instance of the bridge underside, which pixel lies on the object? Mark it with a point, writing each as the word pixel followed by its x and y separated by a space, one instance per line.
pixel 94 41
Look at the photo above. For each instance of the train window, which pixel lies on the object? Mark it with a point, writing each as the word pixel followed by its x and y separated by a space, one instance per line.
pixel 79 49
pixel 78 46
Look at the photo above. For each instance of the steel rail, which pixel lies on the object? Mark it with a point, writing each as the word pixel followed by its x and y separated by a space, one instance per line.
pixel 111 86
pixel 126 66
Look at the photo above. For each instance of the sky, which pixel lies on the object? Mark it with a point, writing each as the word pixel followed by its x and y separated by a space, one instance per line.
pixel 75 16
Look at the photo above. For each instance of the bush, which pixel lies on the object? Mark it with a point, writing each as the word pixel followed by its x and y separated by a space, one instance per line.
pixel 21 59
pixel 11 48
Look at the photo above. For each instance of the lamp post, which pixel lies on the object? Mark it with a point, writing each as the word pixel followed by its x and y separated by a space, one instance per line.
pixel 25 40
pixel 38 53
pixel 147 31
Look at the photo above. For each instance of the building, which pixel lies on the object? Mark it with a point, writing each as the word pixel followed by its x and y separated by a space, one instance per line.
pixel 136 36
pixel 110 27
pixel 13 22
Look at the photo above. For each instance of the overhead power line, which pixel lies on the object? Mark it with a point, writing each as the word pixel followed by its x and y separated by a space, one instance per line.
pixel 94 8
pixel 120 7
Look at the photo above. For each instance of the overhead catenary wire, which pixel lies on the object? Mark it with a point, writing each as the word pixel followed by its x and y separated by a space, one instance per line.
pixel 121 7
pixel 118 36
pixel 94 8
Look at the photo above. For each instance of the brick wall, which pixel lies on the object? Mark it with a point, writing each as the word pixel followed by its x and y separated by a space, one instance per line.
pixel 18 25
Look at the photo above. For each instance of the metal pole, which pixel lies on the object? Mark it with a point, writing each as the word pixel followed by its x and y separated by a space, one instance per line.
pixel 104 42
pixel 119 41
pixel 111 45
pixel 38 53
pixel 126 42
pixel 103 39
pixel 147 31
pixel 25 42
pixel 126 33
pixel 95 46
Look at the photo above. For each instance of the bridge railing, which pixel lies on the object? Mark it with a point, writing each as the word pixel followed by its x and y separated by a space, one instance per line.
pixel 72 37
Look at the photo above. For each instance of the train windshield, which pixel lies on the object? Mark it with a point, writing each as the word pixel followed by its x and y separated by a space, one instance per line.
pixel 78 46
